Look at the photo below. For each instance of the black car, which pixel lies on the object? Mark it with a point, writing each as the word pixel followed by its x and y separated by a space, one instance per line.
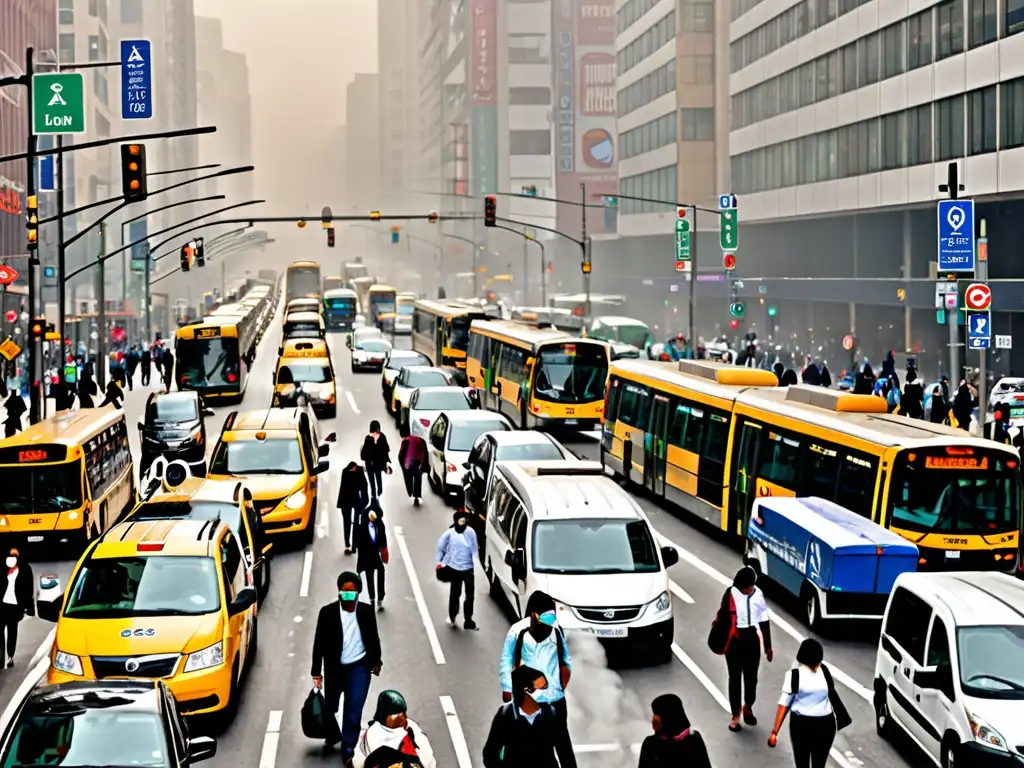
pixel 110 722
pixel 174 428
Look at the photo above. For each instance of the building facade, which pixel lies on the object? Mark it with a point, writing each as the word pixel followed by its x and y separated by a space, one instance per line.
pixel 398 76
pixel 362 139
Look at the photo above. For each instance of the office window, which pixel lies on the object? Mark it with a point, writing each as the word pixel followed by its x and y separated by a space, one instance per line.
pixel 949 128
pixel 874 141
pixel 849 55
pixel 808 157
pixel 66 15
pixel 67 47
pixel 981 120
pixel 919 135
pixel 1012 114
pixel 807 84
pixel 867 60
pixel 93 11
pixel 649 42
pixel 525 96
pixel 894 39
pixel 697 124
pixel 894 128
pixel 697 16
pixel 99 84
pixel 827 11
pixel 94 48
pixel 102 126
pixel 1014 17
pixel 919 40
pixel 131 11
pixel 950 25
pixel 984 22
pixel 821 78
pixel 529 142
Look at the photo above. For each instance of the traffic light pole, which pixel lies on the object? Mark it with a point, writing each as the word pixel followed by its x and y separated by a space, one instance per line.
pixel 35 377
pixel 101 310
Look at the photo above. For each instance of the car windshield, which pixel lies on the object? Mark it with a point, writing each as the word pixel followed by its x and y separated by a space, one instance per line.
pixel 373 345
pixel 207 362
pixel 86 730
pixel 416 379
pixel 451 400
pixel 41 488
pixel 401 359
pixel 462 436
pixel 229 514
pixel 593 546
pixel 571 373
pixel 257 457
pixel 991 661
pixel 158 585
pixel 529 452
pixel 290 329
pixel 955 489
pixel 303 372
pixel 172 409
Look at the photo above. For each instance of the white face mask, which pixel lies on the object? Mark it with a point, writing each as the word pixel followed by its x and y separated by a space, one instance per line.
pixel 12 561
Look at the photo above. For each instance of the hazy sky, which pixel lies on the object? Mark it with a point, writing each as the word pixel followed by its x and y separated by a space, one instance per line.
pixel 301 55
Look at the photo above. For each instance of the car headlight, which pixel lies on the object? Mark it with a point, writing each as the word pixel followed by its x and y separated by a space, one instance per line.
pixel 661 604
pixel 67 662
pixel 296 500
pixel 210 656
pixel 985 733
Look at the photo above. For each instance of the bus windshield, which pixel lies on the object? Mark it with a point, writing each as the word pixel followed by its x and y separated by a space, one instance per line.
pixel 638 336
pixel 571 373
pixel 382 304
pixel 344 306
pixel 303 281
pixel 955 489
pixel 41 488
pixel 208 362
pixel 458 336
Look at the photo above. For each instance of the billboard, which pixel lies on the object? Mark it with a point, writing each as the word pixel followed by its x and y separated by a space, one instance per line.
pixel 483 85
pixel 586 143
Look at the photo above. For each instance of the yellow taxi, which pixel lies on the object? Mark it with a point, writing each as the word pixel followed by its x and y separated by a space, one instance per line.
pixel 279 455
pixel 229 501
pixel 304 367
pixel 159 599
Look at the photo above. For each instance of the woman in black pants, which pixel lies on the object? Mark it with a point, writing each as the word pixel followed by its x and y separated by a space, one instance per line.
pixel 17 599
pixel 743 656
pixel 353 500
pixel 376 454
pixel 807 695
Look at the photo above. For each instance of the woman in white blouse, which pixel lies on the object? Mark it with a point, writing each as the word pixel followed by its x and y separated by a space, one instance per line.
pixel 806 697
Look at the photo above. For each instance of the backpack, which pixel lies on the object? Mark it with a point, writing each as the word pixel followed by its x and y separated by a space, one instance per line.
pixel 893 398
pixel 517 652
pixel 843 718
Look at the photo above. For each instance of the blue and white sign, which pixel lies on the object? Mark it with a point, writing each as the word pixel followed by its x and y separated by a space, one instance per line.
pixel 979 330
pixel 956 235
pixel 47 173
pixel 726 202
pixel 136 80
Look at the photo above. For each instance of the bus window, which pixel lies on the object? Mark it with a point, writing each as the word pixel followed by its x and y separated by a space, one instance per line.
pixel 208 362
pixel 634 406
pixel 821 472
pixel 857 476
pixel 614 391
pixel 780 458
pixel 571 373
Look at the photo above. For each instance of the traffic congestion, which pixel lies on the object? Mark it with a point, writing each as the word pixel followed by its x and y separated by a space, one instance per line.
pixel 350 524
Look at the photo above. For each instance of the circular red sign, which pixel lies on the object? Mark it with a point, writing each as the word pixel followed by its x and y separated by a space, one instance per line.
pixel 978 296
pixel 729 261
pixel 11 315
pixel 848 342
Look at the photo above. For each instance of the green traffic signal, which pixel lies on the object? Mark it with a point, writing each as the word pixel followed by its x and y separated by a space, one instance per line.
pixel 772 311
pixel 737 309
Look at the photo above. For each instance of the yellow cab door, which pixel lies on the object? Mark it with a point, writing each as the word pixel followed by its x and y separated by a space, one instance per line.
pixel 237 575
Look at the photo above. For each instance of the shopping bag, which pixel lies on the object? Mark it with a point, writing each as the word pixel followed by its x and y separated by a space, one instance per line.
pixel 314 724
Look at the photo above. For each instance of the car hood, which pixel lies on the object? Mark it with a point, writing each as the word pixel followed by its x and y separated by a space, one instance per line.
pixel 138 636
pixel 365 354
pixel 267 487
pixel 1005 715
pixel 603 590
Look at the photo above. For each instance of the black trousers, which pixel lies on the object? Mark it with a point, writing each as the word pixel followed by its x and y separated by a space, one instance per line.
pixel 455 591
pixel 563 744
pixel 743 659
pixel 374 478
pixel 10 615
pixel 145 376
pixel 375 591
pixel 350 516
pixel 812 739
pixel 413 482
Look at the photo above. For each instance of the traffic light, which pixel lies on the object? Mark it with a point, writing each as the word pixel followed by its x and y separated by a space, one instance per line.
pixel 432 217
pixel 737 309
pixel 37 329
pixel 773 311
pixel 330 237
pixel 374 215
pixel 729 261
pixel 325 217
pixel 133 172
pixel 490 211
pixel 530 191
pixel 32 221
pixel 186 257
pixel 734 324
pixel 199 250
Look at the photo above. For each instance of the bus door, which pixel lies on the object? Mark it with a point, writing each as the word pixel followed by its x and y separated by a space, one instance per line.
pixel 439 340
pixel 655 446
pixel 744 476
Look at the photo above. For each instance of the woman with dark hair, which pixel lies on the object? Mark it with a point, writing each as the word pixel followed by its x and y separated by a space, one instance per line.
pixel 353 500
pixel 17 599
pixel 392 733
pixel 674 743
pixel 524 730
pixel 789 378
pixel 743 656
pixel 376 454
pixel 809 696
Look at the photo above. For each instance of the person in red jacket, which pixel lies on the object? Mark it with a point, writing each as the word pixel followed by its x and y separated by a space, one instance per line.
pixel 412 456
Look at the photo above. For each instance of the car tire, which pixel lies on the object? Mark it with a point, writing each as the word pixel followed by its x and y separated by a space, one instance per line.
pixel 494 586
pixel 812 608
pixel 662 654
pixel 883 718
pixel 265 581
pixel 948 753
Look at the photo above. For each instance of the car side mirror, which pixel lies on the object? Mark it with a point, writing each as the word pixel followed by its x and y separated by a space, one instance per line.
pixel 331 438
pixel 201 748
pixel 51 598
pixel 208 412
pixel 244 600
pixel 320 468
pixel 466 465
pixel 323 450
pixel 669 556
pixel 141 426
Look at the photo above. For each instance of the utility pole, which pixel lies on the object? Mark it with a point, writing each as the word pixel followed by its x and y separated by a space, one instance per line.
pixel 693 283
pixel 953 187
pixel 586 252
pixel 34 373
pixel 981 276
pixel 61 287
pixel 101 309
pixel 146 298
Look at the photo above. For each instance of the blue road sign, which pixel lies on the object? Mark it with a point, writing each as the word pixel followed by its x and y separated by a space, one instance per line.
pixel 726 202
pixel 49 272
pixel 979 328
pixel 979 343
pixel 47 174
pixel 136 80
pixel 956 235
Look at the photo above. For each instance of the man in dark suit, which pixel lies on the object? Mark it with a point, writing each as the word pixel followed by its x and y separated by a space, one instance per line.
pixel 346 651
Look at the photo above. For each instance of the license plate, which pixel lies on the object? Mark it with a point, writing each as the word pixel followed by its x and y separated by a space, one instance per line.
pixel 572 421
pixel 35 539
pixel 953 554
pixel 601 631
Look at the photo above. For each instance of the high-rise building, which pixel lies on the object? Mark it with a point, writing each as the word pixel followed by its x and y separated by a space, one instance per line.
pixel 362 140
pixel 398 74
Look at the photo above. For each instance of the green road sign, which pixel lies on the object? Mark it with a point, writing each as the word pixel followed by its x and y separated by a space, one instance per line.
pixel 58 103
pixel 138 265
pixel 729 233
pixel 682 240
pixel 610 200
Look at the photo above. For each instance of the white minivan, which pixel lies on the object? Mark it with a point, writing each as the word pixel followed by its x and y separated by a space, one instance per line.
pixel 567 529
pixel 950 667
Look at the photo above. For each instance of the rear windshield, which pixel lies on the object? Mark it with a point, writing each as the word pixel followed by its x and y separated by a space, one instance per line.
pixel 461 437
pixel 416 379
pixel 452 400
pixel 532 452
pixel 372 345
pixel 258 457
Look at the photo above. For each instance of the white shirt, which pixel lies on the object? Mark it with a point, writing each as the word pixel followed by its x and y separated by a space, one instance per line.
pixel 812 698
pixel 10 598
pixel 352 648
pixel 751 610
pixel 373 532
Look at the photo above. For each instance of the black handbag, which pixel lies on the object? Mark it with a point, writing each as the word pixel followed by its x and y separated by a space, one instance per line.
pixel 842 714
pixel 444 574
pixel 314 724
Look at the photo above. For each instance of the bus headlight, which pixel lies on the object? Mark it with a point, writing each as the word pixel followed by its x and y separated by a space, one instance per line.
pixel 296 500
pixel 67 662
pixel 210 656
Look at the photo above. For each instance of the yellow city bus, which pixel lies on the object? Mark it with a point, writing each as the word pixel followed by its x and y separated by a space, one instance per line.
pixel 302 280
pixel 66 479
pixel 712 438
pixel 213 357
pixel 332 283
pixel 538 377
pixel 440 330
pixel 381 304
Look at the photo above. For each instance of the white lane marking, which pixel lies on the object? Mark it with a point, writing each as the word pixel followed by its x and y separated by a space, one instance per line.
pixel 352 402
pixel 458 737
pixel 35 675
pixel 421 603
pixel 44 647
pixel 685 555
pixel 583 749
pixel 307 572
pixel 679 592
pixel 268 757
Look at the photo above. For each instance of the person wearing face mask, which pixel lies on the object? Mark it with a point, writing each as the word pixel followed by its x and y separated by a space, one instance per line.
pixel 371 545
pixel 525 729
pixel 376 454
pixel 674 742
pixel 538 642
pixel 455 551
pixel 17 599
pixel 346 651
pixel 393 734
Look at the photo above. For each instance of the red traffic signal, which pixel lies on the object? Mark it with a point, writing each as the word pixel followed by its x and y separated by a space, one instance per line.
pixel 330 237
pixel 734 324
pixel 681 213
pixel 490 211
pixel 729 261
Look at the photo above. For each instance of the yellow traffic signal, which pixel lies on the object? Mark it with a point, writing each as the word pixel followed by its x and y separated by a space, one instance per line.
pixel 432 217
pixel 587 267
pixel 374 215
pixel 133 172
pixel 32 221
pixel 301 223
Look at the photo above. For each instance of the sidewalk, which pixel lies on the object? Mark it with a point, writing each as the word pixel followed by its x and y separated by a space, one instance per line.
pixel 133 403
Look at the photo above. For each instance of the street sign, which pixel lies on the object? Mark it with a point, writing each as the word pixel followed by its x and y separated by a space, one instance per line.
pixel 47 173
pixel 58 103
pixel 982 249
pixel 728 232
pixel 8 275
pixel 901 293
pixel 138 265
pixel 1004 342
pixel 979 327
pixel 674 288
pixel 762 289
pixel 941 290
pixel 848 342
pixel 682 266
pixel 978 297
pixel 682 240
pixel 49 272
pixel 136 80
pixel 979 342
pixel 9 349
pixel 956 235
pixel 726 202
pixel 610 200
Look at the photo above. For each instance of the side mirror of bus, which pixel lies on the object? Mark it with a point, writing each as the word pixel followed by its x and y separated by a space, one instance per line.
pixel 320 468
pixel 323 450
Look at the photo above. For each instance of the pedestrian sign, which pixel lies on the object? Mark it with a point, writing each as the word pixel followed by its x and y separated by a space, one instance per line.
pixel 979 330
pixel 682 240
pixel 956 236
pixel 136 80
pixel 58 103
pixel 9 349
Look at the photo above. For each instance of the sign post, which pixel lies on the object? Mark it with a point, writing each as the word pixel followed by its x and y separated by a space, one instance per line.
pixel 136 80
pixel 956 251
pixel 58 103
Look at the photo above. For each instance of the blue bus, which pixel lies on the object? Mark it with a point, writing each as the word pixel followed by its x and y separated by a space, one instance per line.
pixel 341 306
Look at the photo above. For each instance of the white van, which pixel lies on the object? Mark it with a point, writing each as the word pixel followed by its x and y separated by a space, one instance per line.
pixel 569 530
pixel 950 667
